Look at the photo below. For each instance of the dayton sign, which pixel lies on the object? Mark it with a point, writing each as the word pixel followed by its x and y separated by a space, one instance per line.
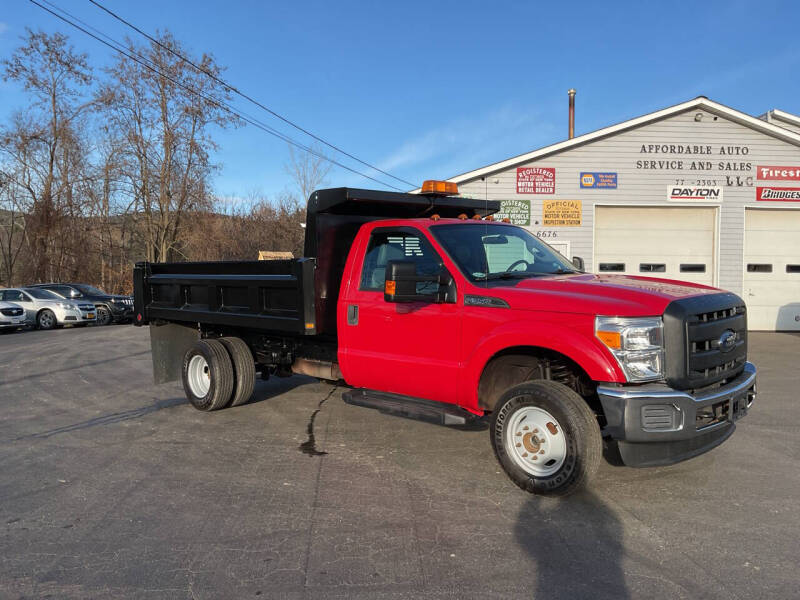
pixel 677 193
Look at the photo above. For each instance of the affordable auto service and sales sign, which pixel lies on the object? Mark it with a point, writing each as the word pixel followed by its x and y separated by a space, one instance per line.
pixel 536 180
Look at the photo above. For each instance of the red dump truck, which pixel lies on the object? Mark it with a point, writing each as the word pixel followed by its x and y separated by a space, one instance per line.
pixel 426 307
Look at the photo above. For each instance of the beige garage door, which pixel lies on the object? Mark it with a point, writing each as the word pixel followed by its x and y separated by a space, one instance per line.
pixel 772 269
pixel 670 242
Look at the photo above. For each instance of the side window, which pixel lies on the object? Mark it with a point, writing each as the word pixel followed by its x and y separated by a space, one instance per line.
pixel 398 245
pixel 12 296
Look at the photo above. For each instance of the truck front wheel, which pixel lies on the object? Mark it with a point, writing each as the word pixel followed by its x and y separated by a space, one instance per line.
pixel 546 438
pixel 208 375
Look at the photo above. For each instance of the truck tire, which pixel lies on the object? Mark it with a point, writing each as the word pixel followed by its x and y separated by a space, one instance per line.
pixel 207 375
pixel 546 438
pixel 244 369
pixel 46 319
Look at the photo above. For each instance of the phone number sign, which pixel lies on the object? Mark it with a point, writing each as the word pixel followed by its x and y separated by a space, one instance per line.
pixel 536 180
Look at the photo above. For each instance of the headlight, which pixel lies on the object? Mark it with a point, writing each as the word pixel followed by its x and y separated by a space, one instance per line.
pixel 636 343
pixel 66 305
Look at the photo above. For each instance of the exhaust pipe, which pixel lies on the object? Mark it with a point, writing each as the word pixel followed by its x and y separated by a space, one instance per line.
pixel 571 93
pixel 317 368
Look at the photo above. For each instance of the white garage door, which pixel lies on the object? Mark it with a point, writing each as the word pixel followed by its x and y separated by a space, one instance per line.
pixel 772 269
pixel 670 242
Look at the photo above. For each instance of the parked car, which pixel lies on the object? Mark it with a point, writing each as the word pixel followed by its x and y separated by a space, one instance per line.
pixel 12 316
pixel 110 308
pixel 47 310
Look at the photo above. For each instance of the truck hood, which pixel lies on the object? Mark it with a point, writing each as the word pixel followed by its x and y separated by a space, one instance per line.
pixel 618 295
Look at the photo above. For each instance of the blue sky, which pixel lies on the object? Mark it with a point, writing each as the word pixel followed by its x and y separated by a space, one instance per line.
pixel 432 89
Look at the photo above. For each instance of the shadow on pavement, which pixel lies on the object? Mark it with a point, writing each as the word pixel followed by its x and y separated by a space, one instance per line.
pixel 577 546
pixel 79 366
pixel 118 417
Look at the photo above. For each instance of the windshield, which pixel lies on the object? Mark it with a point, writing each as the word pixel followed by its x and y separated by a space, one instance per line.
pixel 41 294
pixel 90 291
pixel 495 251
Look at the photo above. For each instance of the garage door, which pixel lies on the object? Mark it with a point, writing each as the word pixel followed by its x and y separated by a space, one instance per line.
pixel 772 269
pixel 670 242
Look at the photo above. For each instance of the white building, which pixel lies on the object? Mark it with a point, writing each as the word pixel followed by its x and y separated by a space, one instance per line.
pixel 698 192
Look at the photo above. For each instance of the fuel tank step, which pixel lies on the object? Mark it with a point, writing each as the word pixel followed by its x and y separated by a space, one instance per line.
pixel 415 408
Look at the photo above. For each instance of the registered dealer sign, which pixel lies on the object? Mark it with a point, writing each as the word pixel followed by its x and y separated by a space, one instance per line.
pixel 536 180
pixel 681 193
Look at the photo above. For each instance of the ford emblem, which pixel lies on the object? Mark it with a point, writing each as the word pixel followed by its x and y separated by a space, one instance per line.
pixel 727 340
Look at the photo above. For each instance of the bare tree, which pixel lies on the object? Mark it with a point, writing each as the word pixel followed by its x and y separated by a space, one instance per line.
pixel 40 146
pixel 307 171
pixel 166 114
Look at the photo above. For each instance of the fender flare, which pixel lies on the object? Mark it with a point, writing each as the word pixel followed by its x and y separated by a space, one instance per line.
pixel 588 353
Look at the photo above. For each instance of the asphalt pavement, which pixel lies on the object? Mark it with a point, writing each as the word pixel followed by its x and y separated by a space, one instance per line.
pixel 113 487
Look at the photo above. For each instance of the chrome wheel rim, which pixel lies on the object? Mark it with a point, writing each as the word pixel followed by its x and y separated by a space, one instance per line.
pixel 535 441
pixel 199 376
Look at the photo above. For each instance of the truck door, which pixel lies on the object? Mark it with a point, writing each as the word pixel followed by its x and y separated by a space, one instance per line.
pixel 403 348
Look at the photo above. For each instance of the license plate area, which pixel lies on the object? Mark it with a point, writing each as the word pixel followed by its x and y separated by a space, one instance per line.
pixel 90 316
pixel 726 410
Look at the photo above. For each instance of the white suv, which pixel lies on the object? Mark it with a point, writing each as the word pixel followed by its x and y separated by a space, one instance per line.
pixel 47 310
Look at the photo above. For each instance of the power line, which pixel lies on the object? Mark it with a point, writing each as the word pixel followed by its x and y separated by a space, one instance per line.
pixel 245 96
pixel 117 47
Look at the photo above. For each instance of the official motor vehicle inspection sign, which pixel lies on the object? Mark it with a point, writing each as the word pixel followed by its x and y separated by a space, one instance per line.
pixel 536 180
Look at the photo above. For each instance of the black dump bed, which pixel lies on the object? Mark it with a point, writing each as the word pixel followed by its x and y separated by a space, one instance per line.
pixel 284 296
pixel 268 295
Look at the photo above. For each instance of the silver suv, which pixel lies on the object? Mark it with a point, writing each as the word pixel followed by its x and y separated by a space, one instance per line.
pixel 47 310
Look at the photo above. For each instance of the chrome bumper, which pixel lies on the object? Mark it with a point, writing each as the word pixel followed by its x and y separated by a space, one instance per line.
pixel 656 424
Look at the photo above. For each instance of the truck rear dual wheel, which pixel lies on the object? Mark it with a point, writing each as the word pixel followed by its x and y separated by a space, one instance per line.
pixel 218 373
pixel 546 438
pixel 244 369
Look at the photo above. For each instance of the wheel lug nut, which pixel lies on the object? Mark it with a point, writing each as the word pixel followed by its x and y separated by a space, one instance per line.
pixel 541 451
pixel 535 458
pixel 524 454
pixel 518 445
pixel 535 431
pixel 525 428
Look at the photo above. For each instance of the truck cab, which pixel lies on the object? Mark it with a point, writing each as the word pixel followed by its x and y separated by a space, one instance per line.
pixel 425 306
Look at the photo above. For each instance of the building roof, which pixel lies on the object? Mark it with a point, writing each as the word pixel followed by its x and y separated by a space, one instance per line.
pixel 781 116
pixel 699 103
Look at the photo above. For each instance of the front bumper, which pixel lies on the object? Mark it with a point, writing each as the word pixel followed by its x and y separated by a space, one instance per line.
pixel 657 425
pixel 121 312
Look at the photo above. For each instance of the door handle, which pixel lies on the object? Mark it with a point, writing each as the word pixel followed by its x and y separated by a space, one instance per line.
pixel 352 314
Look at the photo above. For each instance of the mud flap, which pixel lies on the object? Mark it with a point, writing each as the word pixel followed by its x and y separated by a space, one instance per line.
pixel 168 344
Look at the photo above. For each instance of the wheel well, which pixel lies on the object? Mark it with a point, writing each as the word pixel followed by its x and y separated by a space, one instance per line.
pixel 519 364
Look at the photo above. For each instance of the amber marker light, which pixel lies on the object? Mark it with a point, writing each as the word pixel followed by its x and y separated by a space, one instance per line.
pixel 612 339
pixel 390 287
pixel 446 188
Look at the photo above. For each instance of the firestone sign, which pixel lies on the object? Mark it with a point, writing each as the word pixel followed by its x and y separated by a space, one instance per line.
pixel 536 180
pixel 778 173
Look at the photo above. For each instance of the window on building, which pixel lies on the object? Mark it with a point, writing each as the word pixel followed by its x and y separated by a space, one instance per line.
pixel 693 268
pixel 759 268
pixel 793 268
pixel 652 267
pixel 611 267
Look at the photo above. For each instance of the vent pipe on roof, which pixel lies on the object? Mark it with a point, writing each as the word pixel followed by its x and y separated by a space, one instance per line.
pixel 571 93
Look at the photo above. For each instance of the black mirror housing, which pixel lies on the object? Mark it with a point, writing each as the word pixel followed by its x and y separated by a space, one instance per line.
pixel 577 261
pixel 402 279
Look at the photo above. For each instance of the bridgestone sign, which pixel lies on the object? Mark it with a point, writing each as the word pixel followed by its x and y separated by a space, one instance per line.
pixel 778 194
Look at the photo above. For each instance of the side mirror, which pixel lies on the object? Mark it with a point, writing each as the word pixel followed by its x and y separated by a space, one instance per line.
pixel 577 261
pixel 402 279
